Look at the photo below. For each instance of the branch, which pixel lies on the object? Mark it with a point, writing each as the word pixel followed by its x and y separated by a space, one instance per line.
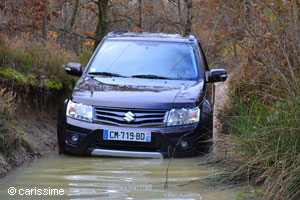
pixel 173 2
pixel 129 18
pixel 116 20
pixel 78 34
pixel 93 1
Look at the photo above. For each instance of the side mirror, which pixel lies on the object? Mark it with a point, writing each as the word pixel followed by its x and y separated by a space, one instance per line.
pixel 74 69
pixel 217 75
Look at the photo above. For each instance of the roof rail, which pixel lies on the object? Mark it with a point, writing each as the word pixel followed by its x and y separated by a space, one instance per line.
pixel 192 38
pixel 117 32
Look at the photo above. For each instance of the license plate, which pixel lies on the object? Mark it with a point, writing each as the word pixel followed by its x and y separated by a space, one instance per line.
pixel 136 136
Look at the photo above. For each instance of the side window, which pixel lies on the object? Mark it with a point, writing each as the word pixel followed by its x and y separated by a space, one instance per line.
pixel 210 87
pixel 204 61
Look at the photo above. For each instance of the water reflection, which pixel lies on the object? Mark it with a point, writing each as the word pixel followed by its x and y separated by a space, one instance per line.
pixel 114 178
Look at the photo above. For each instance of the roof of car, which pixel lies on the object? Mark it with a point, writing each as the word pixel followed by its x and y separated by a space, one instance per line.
pixel 124 34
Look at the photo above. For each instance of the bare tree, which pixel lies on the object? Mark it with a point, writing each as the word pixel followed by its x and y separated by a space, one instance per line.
pixel 75 11
pixel 100 31
pixel 189 17
pixel 140 14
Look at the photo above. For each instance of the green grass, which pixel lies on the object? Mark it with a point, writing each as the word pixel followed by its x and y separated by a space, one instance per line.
pixel 253 194
pixel 265 137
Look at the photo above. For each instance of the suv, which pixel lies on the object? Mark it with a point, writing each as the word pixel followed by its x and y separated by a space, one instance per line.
pixel 140 95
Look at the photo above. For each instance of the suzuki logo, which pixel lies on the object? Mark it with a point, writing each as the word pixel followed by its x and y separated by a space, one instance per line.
pixel 129 116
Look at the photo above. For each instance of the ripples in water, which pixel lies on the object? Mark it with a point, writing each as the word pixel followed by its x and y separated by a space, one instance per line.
pixel 90 178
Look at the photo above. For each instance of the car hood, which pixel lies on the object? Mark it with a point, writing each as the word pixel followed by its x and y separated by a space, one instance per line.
pixel 137 92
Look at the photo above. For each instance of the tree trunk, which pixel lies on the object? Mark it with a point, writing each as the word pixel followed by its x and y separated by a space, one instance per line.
pixel 248 10
pixel 101 21
pixel 75 11
pixel 140 15
pixel 179 14
pixel 188 24
pixel 45 29
pixel 73 39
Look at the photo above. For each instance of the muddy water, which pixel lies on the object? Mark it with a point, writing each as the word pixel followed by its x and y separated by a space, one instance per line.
pixel 92 178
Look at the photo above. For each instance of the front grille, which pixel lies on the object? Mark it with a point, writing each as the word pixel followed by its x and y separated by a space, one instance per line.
pixel 142 117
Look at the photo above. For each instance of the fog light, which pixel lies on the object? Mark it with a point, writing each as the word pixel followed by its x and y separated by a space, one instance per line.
pixel 184 145
pixel 75 138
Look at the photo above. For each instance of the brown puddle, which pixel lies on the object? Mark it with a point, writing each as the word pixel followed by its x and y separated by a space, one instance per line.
pixel 90 178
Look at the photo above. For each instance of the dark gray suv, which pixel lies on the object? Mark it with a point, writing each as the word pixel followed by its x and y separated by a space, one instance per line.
pixel 140 95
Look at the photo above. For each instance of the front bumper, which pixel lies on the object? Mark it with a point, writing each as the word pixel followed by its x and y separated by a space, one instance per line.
pixel 163 142
pixel 134 154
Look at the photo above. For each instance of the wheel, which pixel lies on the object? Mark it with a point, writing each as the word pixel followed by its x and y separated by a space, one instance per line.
pixel 206 148
pixel 205 144
pixel 61 118
pixel 61 141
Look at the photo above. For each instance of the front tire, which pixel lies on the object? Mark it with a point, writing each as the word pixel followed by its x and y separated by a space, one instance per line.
pixel 61 119
pixel 205 144
pixel 61 140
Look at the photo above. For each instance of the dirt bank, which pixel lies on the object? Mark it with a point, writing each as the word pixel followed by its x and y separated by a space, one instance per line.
pixel 221 97
pixel 40 132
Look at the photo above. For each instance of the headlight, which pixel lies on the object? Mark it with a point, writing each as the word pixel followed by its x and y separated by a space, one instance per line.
pixel 80 111
pixel 183 116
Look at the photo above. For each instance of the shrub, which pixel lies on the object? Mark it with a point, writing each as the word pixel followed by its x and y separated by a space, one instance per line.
pixel 85 56
pixel 34 62
pixel 262 118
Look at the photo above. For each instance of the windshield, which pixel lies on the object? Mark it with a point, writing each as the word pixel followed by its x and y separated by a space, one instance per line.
pixel 145 59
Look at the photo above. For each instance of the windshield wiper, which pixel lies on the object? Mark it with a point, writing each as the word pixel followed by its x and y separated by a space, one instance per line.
pixel 150 76
pixel 106 74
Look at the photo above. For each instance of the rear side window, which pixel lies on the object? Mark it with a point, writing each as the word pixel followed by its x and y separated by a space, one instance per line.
pixel 130 58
